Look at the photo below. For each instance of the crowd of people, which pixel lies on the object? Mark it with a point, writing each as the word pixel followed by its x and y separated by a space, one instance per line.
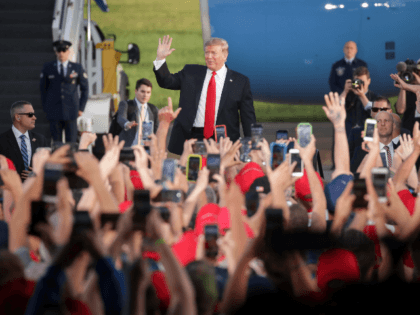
pixel 124 233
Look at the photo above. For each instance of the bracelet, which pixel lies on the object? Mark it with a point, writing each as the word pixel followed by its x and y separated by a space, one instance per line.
pixel 160 241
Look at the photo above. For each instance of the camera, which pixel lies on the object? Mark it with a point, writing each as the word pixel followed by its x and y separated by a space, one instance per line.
pixel 357 84
pixel 406 69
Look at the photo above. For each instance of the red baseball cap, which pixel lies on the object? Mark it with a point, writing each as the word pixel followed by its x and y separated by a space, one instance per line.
pixel 247 175
pixel 223 221
pixel 136 180
pixel 408 200
pixel 206 215
pixel 337 264
pixel 302 186
pixel 185 248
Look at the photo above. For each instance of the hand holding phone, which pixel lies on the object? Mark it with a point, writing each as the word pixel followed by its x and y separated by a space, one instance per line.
pixel 295 157
pixel 256 135
pixel 147 130
pixel 193 167
pixel 370 125
pixel 304 132
pixel 213 165
pixel 278 154
pixel 211 234
pixel 141 209
pixel 220 132
pixel 168 170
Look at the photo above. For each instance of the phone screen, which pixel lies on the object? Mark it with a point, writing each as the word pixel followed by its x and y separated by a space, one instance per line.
pixel 168 171
pixel 211 233
pixel 282 134
pixel 199 148
pixel 193 168
pixel 278 156
pixel 296 158
pixel 147 130
pixel 141 209
pixel 38 215
pixel 52 173
pixel 169 195
pixel 213 164
pixel 274 226
pixel 384 159
pixel 359 190
pixel 379 182
pixel 369 130
pixel 127 154
pixel 220 132
pixel 304 135
pixel 256 133
pixel 245 150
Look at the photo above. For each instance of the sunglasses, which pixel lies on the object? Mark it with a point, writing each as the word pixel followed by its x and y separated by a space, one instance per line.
pixel 61 49
pixel 377 109
pixel 30 115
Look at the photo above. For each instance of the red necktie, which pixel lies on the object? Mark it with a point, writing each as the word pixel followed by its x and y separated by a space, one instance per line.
pixel 388 155
pixel 210 108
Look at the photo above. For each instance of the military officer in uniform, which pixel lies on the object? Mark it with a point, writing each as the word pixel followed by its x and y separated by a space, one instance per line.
pixel 343 69
pixel 60 98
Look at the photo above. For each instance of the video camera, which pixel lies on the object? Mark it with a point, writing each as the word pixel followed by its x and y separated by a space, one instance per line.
pixel 357 84
pixel 406 69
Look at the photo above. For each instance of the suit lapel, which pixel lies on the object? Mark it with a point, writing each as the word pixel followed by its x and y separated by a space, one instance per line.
pixel 14 145
pixel 200 83
pixel 225 91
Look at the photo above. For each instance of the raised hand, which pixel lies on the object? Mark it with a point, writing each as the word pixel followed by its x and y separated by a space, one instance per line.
pixel 399 83
pixel 86 139
pixel 167 114
pixel 307 153
pixel 164 48
pixel 335 109
pixel 406 147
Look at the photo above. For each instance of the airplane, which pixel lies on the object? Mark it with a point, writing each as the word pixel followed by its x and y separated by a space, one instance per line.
pixel 287 47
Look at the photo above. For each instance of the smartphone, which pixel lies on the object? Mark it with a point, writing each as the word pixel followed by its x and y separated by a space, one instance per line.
pixel 82 221
pixel 199 148
pixel 141 209
pixel 359 190
pixel 165 195
pixel 252 201
pixel 282 134
pixel 384 158
pixel 380 177
pixel 52 174
pixel 370 125
pixel 256 135
pixel 110 218
pixel 38 215
pixel 127 155
pixel 220 132
pixel 245 150
pixel 304 132
pixel 164 213
pixel 213 165
pixel 278 154
pixel 193 167
pixel 273 227
pixel 168 170
pixel 75 181
pixel 294 157
pixel 211 234
pixel 147 130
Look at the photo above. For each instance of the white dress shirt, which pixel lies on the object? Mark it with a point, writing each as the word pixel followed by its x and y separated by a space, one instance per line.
pixel 145 118
pixel 65 64
pixel 17 134
pixel 220 82
pixel 349 61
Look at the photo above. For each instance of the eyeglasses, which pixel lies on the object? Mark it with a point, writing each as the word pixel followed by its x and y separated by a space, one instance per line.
pixel 377 109
pixel 61 49
pixel 30 115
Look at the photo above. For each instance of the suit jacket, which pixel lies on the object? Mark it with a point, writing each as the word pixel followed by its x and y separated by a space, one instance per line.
pixel 359 155
pixel 236 96
pixel 129 111
pixel 341 71
pixel 10 148
pixel 60 98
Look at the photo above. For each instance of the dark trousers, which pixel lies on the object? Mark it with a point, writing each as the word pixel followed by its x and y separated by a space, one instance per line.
pixel 69 127
pixel 197 133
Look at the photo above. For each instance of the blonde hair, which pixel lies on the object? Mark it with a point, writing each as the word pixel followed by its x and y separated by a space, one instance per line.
pixel 218 42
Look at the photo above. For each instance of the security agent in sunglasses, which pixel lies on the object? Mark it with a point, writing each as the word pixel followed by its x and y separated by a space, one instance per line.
pixel 19 143
pixel 61 101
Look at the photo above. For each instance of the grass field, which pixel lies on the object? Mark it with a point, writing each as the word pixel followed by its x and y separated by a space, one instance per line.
pixel 145 21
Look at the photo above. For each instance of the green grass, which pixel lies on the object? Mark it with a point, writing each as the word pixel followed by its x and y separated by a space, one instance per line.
pixel 145 21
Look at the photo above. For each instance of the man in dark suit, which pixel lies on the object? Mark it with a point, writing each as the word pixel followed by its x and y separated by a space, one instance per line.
pixel 60 98
pixel 344 68
pixel 19 142
pixel 210 95
pixel 132 111
pixel 385 127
